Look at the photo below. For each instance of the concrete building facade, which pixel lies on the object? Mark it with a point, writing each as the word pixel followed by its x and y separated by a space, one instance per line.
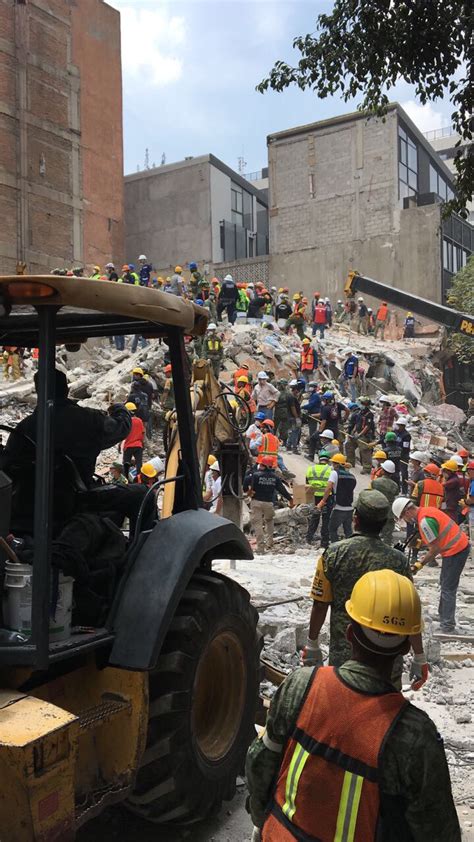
pixel 352 192
pixel 444 142
pixel 197 209
pixel 61 149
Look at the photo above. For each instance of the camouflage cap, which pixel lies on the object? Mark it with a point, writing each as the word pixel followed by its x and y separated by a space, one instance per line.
pixel 372 505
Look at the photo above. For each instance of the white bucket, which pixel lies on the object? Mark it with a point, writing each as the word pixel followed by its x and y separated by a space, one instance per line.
pixel 18 595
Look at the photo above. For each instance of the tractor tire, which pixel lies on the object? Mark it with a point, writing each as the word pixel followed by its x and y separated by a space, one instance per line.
pixel 203 699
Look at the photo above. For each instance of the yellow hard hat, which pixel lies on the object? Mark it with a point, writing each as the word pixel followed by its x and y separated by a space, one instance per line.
pixel 233 403
pixel 178 270
pixel 450 465
pixel 211 459
pixel 380 454
pixel 296 296
pixel 148 470
pixel 385 601
pixel 130 406
pixel 137 370
pixel 243 379
pixel 335 441
pixel 338 458
pixel 306 341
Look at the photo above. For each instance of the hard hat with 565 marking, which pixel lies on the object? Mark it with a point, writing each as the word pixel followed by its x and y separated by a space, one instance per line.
pixel 387 602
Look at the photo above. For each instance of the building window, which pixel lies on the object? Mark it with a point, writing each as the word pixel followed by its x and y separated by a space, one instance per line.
pixel 408 165
pixel 439 186
pixel 236 205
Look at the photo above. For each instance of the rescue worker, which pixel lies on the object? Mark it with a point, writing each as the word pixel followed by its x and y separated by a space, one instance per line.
pixel 269 445
pixel 349 373
pixel 443 536
pixel 280 412
pixel 322 478
pixel 387 486
pixel 244 390
pixel 339 311
pixel 210 304
pixel 265 394
pixel 470 497
pixel 11 360
pixel 329 443
pixel 320 319
pixel 362 437
pixel 339 568
pixel 453 488
pixel 242 303
pixel 298 316
pixel 381 319
pixel 144 271
pixel 308 360
pixel 362 316
pixel 216 489
pixel 415 469
pixel 293 405
pixel 227 300
pixel 176 286
pixel 341 514
pixel 404 441
pixel 254 433
pixel 148 475
pixel 377 459
pixel 429 491
pixel 214 349
pixel 96 273
pixel 243 371
pixel 387 416
pixel 308 773
pixel 283 311
pixel 313 409
pixel 332 413
pixel 109 270
pixel 409 326
pixel 394 452
pixel 117 475
pixel 132 446
pixel 261 486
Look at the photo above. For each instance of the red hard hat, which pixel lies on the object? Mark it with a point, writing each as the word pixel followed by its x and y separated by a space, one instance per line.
pixel 167 369
pixel 317 294
pixel 267 461
pixel 470 465
pixel 463 452
pixel 268 422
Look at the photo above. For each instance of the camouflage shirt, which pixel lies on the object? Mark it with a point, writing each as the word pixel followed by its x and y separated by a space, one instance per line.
pixel 339 568
pixel 388 488
pixel 415 790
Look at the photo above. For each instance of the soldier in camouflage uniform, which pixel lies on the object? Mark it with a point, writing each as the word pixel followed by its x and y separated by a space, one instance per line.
pixel 280 413
pixel 339 568
pixel 389 488
pixel 413 782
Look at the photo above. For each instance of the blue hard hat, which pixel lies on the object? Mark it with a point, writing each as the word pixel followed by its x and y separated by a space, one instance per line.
pixel 193 266
pixel 353 405
pixel 131 266
pixel 199 301
pixel 327 395
pixel 260 416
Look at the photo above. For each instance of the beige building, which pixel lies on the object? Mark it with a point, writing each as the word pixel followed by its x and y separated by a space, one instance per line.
pixel 354 193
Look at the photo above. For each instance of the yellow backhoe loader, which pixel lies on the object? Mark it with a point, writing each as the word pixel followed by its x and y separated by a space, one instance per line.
pixel 155 706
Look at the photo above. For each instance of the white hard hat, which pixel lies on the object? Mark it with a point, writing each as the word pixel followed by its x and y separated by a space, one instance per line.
pixel 400 504
pixel 384 399
pixel 360 298
pixel 327 300
pixel 109 266
pixel 228 278
pixel 273 289
pixel 388 466
pixel 417 455
pixel 142 257
pixel 262 375
pixel 250 285
pixel 402 420
pixel 327 434
pixel 215 467
pixel 458 459
pixel 292 383
pixel 348 350
pixel 339 300
pixel 212 326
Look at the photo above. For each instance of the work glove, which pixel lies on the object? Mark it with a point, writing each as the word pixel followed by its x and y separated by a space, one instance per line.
pixel 312 655
pixel 298 422
pixel 256 835
pixel 416 567
pixel 419 671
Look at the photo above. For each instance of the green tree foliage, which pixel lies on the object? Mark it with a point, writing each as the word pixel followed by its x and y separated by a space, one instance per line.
pixel 364 47
pixel 461 297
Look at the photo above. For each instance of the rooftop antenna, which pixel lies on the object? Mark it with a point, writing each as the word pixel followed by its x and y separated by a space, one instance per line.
pixel 241 164
pixel 163 159
pixel 147 159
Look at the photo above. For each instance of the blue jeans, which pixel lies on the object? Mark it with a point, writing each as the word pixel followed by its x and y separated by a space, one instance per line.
pixel 119 343
pixel 451 569
pixel 344 382
pixel 294 435
pixel 266 411
pixel 321 329
pixel 135 340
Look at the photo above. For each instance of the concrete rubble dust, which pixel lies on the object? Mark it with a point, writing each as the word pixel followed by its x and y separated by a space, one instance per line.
pixel 99 374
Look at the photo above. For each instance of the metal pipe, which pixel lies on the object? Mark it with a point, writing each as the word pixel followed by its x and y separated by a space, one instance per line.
pixel 44 485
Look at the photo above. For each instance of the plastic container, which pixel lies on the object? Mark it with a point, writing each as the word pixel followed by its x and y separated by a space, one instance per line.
pixel 18 595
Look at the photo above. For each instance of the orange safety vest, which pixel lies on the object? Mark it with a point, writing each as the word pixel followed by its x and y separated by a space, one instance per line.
pixel 382 313
pixel 376 472
pixel 307 360
pixel 335 750
pixel 246 394
pixel 431 493
pixel 269 447
pixel 241 372
pixel 452 539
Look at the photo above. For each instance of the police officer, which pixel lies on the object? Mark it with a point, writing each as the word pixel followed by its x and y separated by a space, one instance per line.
pixel 404 442
pixel 262 486
pixel 314 774
pixel 339 568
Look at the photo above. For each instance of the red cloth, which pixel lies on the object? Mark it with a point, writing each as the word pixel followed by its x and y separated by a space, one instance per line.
pixel 136 435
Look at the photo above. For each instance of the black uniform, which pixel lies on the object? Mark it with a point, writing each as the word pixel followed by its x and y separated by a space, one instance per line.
pixel 331 413
pixel 264 483
pixel 404 441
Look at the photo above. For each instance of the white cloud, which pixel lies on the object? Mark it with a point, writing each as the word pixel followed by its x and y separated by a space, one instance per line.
pixel 152 43
pixel 425 117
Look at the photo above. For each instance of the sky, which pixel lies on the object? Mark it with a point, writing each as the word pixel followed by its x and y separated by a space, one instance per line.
pixel 190 68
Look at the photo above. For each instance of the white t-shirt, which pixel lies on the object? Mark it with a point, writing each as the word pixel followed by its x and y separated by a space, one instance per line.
pixel 216 490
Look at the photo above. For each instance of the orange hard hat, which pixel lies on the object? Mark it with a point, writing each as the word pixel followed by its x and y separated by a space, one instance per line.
pixel 167 369
pixel 432 469
pixel 125 267
pixel 268 422
pixel 267 461
pixel 463 452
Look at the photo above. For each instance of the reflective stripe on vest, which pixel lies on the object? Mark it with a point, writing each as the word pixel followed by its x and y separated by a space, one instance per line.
pixel 317 477
pixel 307 360
pixel 432 493
pixel 214 345
pixel 335 749
pixel 452 539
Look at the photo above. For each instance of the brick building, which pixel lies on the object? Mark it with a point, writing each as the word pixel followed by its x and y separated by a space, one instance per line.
pixel 352 192
pixel 61 156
